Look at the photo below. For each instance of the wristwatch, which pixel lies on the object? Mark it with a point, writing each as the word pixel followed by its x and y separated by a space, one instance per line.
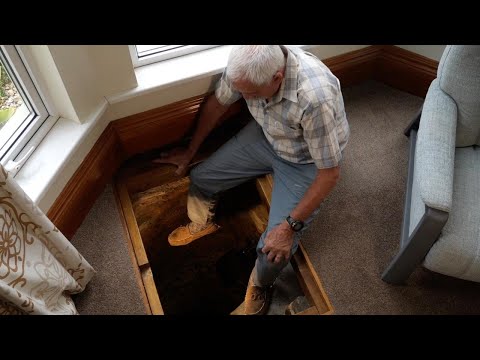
pixel 295 225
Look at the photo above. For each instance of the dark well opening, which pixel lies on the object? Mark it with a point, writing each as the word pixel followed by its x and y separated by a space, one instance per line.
pixel 209 275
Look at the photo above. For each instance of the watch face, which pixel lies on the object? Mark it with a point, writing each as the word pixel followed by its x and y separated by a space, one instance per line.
pixel 297 225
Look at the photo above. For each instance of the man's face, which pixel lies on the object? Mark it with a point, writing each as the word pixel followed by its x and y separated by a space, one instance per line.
pixel 251 91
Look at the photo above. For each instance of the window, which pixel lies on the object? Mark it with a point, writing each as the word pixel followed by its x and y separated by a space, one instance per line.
pixel 148 54
pixel 24 119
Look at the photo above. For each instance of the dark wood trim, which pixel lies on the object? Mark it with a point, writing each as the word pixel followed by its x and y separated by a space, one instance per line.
pixel 355 66
pixel 165 125
pixel 87 183
pixel 162 126
pixel 405 70
pixel 157 127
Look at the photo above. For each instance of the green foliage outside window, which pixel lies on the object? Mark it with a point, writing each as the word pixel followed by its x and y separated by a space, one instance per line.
pixel 5 81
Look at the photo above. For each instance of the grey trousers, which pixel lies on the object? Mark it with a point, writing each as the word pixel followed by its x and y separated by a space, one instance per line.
pixel 246 156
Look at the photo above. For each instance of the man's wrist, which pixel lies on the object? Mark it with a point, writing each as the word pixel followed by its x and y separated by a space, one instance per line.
pixel 295 224
pixel 286 226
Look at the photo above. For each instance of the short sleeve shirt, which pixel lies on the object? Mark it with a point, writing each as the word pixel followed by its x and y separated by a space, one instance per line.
pixel 305 121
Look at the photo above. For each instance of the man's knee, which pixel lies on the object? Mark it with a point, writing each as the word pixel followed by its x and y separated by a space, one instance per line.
pixel 198 175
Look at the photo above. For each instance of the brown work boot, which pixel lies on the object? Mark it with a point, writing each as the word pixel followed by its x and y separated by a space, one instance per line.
pixel 257 299
pixel 184 235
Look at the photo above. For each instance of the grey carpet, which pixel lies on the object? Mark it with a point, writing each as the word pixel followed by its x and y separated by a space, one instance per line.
pixel 102 241
pixel 357 232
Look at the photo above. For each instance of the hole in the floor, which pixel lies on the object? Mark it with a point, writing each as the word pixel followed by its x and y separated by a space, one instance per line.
pixel 209 275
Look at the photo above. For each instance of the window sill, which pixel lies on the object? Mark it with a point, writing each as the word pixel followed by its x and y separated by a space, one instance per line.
pixel 161 75
pixel 58 156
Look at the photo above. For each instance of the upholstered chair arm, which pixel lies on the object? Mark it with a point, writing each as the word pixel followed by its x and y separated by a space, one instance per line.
pixel 435 150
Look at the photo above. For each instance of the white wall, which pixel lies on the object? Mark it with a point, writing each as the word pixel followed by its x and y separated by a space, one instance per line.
pixel 48 79
pixel 430 51
pixel 113 68
pixel 78 74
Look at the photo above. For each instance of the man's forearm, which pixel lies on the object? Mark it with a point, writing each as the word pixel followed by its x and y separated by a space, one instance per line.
pixel 210 115
pixel 324 182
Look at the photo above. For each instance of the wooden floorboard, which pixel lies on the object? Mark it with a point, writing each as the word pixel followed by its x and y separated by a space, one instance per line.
pixel 138 256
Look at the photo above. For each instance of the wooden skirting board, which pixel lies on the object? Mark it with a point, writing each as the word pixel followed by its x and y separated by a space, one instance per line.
pixel 165 125
pixel 404 70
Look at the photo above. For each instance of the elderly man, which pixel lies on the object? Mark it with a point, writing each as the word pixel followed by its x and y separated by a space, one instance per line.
pixel 298 132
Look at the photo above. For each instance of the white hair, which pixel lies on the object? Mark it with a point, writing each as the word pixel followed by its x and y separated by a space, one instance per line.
pixel 256 64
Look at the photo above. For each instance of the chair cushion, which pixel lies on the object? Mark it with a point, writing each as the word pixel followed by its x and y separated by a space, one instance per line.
pixel 459 76
pixel 457 251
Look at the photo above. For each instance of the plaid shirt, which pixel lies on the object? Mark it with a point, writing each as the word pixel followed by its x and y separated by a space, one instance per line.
pixel 305 121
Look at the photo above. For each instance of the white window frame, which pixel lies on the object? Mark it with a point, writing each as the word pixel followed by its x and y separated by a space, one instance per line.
pixel 25 135
pixel 165 53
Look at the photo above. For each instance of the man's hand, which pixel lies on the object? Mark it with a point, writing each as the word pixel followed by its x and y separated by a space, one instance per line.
pixel 179 157
pixel 278 243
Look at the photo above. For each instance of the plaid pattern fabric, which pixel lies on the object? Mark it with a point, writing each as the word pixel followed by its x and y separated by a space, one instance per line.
pixel 305 122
